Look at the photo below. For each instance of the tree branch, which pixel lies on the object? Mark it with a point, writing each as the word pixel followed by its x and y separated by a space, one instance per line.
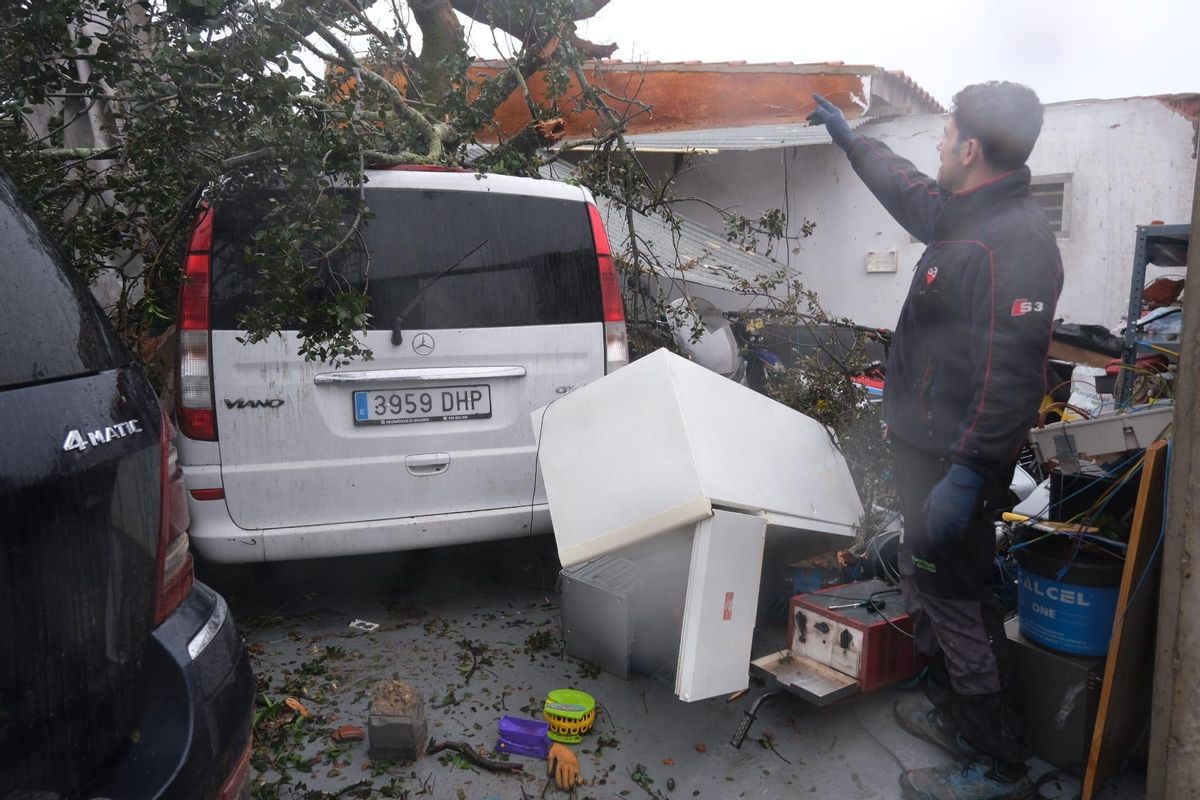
pixel 520 26
pixel 378 158
pixel 345 57
pixel 80 153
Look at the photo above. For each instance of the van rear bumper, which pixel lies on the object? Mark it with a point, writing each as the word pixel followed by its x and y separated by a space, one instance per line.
pixel 215 536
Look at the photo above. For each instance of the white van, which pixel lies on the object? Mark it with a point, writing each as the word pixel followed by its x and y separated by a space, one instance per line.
pixel 430 443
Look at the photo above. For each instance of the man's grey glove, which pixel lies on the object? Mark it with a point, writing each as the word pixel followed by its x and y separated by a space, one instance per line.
pixel 949 505
pixel 829 115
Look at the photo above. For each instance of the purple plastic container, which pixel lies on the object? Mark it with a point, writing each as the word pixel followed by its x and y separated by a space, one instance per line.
pixel 523 737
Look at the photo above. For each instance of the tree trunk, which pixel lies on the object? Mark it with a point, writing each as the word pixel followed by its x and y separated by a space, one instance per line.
pixel 443 41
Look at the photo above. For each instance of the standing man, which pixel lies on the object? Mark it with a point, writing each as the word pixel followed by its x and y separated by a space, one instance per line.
pixel 965 377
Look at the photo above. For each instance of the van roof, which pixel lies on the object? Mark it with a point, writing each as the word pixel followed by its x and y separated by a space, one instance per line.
pixel 474 182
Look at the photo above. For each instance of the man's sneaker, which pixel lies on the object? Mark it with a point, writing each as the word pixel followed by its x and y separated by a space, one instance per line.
pixel 971 780
pixel 924 721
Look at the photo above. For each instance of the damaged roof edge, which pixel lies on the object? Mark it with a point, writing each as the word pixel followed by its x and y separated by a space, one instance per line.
pixel 745 138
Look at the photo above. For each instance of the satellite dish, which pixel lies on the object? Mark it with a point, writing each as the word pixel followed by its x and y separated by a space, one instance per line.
pixel 715 348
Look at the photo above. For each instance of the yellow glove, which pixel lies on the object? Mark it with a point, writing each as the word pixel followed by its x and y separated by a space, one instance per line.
pixel 564 766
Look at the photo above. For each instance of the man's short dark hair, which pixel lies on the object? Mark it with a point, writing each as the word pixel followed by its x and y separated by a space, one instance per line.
pixel 1005 117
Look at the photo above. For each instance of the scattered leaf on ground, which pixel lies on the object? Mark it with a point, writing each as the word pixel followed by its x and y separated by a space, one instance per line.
pixel 298 707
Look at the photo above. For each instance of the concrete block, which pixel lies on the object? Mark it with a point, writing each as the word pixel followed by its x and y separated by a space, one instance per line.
pixel 396 726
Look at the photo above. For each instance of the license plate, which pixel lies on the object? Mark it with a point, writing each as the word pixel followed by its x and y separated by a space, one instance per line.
pixel 403 406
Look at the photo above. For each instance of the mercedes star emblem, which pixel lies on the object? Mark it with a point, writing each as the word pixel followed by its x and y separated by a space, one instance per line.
pixel 423 344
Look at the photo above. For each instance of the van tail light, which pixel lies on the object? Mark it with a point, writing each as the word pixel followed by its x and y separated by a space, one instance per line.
pixel 174 572
pixel 193 381
pixel 616 336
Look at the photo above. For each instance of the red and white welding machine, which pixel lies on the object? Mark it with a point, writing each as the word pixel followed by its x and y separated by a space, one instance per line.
pixel 844 640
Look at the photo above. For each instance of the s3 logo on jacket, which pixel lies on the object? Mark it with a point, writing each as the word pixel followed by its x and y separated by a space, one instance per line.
pixel 1022 307
pixel 930 275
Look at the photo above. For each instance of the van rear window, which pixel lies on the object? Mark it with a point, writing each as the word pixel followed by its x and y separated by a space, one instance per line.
pixel 537 265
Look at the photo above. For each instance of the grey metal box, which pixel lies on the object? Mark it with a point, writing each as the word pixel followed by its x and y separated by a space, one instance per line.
pixel 1058 695
pixel 597 618
pixel 624 613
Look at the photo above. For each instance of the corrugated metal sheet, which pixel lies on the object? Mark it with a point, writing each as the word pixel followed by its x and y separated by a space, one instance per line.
pixel 692 253
pixel 753 137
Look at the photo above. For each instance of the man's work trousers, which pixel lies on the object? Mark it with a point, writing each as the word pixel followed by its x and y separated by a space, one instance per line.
pixel 958 623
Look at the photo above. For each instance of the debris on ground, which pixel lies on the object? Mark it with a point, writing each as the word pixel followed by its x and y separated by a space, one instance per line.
pixel 396 721
pixel 414 661
pixel 349 733
pixel 475 757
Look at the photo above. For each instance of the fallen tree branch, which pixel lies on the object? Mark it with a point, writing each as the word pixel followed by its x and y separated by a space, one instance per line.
pixel 378 158
pixel 469 753
pixel 80 153
pixel 345 57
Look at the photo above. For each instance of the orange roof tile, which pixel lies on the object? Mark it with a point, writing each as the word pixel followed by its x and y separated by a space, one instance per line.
pixel 688 95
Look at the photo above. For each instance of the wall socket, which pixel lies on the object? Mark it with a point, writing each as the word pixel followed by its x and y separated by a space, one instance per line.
pixel 881 261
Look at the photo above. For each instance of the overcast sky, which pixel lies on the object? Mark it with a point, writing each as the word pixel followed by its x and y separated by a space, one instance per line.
pixel 1064 49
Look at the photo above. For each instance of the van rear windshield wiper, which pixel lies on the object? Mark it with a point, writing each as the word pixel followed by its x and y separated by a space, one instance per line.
pixel 397 332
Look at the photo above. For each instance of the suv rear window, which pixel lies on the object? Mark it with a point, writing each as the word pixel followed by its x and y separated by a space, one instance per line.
pixel 51 326
pixel 537 267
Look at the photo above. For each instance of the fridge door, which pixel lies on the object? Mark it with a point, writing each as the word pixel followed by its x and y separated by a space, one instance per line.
pixel 721 605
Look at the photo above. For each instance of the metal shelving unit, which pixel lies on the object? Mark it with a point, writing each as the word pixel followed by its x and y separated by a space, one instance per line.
pixel 1163 246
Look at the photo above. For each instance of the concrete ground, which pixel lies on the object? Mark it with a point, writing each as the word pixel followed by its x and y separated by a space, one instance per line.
pixel 476 631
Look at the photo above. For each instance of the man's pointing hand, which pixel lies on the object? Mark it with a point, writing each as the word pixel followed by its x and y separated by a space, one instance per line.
pixel 829 115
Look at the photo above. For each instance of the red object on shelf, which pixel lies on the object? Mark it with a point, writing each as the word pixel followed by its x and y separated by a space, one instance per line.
pixel 1153 362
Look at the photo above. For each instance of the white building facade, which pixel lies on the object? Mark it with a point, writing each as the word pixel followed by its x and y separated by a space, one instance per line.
pixel 1101 168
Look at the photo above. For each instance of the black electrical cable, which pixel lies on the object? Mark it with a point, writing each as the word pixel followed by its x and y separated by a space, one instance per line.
pixel 869 604
pixel 878 609
pixel 537 455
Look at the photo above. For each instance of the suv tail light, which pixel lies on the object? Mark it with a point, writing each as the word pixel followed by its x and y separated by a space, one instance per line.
pixel 237 784
pixel 174 567
pixel 616 337
pixel 193 382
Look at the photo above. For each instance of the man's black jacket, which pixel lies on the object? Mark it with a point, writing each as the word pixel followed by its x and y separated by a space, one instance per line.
pixel 966 372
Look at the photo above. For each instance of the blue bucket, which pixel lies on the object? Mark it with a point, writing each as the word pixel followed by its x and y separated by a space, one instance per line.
pixel 1071 612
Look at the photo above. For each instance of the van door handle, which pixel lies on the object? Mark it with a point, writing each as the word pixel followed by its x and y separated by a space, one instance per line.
pixel 426 464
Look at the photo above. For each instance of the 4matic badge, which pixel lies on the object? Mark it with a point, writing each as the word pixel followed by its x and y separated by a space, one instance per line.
pixel 78 440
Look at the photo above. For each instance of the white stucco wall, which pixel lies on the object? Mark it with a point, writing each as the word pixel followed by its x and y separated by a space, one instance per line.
pixel 1130 162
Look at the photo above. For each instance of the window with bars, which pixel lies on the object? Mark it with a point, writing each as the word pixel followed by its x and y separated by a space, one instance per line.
pixel 1053 194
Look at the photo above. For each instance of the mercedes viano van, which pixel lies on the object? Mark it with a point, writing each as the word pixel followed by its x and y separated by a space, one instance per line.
pixel 490 296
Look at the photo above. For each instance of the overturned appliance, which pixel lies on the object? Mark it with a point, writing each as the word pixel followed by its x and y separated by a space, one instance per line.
pixel 664 480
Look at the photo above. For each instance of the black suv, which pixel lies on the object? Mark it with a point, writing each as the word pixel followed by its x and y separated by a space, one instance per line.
pixel 120 676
